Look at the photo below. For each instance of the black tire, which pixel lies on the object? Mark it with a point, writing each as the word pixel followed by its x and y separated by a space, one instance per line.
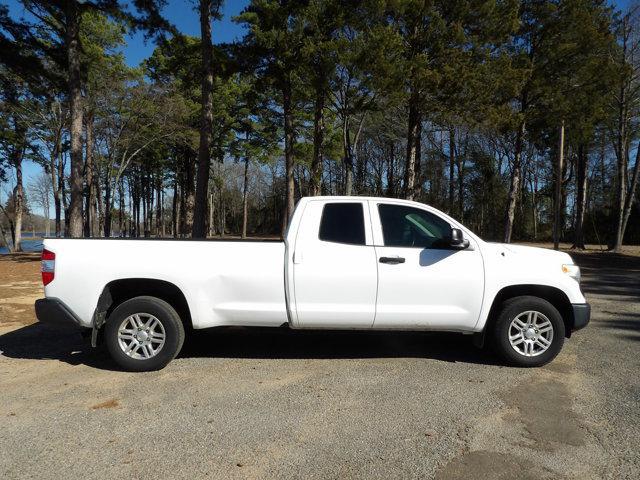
pixel 509 310
pixel 169 320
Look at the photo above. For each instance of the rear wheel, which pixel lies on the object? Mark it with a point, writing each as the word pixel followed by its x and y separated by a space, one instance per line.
pixel 529 331
pixel 143 334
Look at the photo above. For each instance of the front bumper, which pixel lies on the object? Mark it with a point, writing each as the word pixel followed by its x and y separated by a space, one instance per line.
pixel 581 315
pixel 53 311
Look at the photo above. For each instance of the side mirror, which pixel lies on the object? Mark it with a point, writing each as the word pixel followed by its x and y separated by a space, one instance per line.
pixel 457 239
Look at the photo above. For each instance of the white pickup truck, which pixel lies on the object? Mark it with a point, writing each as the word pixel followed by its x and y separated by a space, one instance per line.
pixel 346 263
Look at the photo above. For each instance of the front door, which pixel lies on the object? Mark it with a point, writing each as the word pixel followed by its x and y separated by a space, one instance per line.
pixel 422 283
pixel 335 274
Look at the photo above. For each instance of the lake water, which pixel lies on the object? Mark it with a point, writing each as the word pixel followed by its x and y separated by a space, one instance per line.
pixel 29 244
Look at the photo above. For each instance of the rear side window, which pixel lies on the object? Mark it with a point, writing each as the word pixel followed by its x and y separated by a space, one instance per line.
pixel 343 223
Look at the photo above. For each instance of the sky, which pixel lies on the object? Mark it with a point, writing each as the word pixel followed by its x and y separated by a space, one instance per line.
pixel 183 14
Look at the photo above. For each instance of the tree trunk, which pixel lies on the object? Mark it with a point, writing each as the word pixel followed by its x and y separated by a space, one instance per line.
pixel 452 162
pixel 188 196
pixel 88 174
pixel 130 228
pixel 75 114
pixel 245 198
pixel 315 182
pixel 17 155
pixel 121 207
pixel 391 177
pixel 631 194
pixel 18 204
pixel 159 208
pixel 174 207
pixel 557 197
pixel 412 144
pixel 54 165
pixel 206 122
pixel 420 173
pixel 581 197
pixel 212 223
pixel 95 204
pixel 348 157
pixel 107 209
pixel 145 205
pixel 47 220
pixel 63 197
pixel 100 209
pixel 150 200
pixel 222 222
pixel 534 205
pixel 622 152
pixel 137 193
pixel 460 165
pixel 361 166
pixel 515 184
pixel 288 153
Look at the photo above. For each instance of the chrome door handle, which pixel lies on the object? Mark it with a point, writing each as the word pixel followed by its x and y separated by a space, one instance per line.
pixel 392 260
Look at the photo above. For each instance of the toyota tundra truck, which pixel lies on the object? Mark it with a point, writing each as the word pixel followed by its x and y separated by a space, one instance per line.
pixel 346 263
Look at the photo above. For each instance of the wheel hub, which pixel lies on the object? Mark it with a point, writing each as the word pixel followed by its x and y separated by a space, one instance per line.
pixel 531 333
pixel 141 336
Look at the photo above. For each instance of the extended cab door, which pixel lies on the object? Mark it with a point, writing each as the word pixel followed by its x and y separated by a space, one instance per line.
pixel 335 274
pixel 422 282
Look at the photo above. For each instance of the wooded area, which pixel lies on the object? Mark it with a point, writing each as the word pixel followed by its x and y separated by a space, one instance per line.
pixel 518 118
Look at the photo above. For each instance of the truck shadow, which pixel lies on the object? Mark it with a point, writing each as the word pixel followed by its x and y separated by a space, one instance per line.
pixel 624 325
pixel 294 344
pixel 610 274
pixel 43 342
pixel 40 342
pixel 616 278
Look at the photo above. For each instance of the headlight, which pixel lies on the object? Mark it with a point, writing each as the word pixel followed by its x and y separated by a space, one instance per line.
pixel 572 270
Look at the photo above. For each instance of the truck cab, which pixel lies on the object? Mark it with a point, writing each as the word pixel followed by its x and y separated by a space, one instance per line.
pixel 384 264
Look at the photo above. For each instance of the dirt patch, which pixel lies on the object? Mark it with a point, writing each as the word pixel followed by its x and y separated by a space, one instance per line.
pixel 21 300
pixel 20 287
pixel 535 433
pixel 491 466
pixel 113 403
pixel 544 407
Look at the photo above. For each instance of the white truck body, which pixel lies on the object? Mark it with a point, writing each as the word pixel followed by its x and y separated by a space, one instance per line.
pixel 309 282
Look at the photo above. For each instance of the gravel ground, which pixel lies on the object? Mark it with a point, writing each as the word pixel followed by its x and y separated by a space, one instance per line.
pixel 280 404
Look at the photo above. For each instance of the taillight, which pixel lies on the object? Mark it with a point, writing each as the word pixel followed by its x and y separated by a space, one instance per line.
pixel 48 266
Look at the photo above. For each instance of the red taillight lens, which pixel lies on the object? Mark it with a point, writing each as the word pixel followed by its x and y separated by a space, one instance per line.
pixel 48 266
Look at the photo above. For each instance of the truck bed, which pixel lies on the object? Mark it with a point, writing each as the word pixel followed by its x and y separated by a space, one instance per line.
pixel 225 282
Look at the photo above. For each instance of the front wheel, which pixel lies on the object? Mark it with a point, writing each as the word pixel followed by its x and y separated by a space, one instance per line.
pixel 143 334
pixel 529 331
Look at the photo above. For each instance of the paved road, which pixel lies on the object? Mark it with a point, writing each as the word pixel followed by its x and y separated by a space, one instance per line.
pixel 247 404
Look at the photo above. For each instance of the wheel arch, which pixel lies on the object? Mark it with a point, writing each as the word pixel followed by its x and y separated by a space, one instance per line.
pixel 553 295
pixel 121 290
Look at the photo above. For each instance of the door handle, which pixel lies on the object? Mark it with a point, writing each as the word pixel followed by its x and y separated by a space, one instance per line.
pixel 392 260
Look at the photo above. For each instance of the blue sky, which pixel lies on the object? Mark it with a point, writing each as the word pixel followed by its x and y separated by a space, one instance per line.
pixel 183 14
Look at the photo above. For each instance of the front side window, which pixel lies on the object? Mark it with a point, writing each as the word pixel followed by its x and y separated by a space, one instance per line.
pixel 411 227
pixel 343 223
